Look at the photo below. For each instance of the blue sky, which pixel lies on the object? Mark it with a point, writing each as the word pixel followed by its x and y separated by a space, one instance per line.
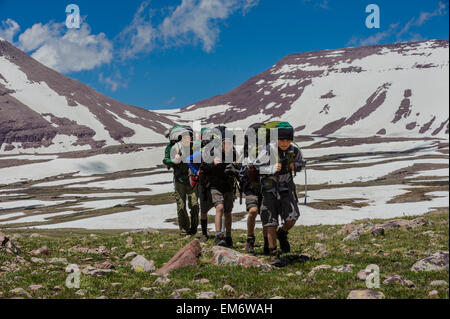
pixel 165 54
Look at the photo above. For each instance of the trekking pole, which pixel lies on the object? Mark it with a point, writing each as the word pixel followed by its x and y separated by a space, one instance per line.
pixel 306 185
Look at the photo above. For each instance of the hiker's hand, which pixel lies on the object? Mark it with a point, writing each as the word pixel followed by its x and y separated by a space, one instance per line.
pixel 292 166
pixel 217 161
pixel 177 159
pixel 278 167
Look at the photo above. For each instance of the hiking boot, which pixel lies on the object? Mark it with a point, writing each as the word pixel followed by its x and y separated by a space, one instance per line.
pixel 229 242
pixel 275 259
pixel 204 238
pixel 250 247
pixel 220 241
pixel 283 239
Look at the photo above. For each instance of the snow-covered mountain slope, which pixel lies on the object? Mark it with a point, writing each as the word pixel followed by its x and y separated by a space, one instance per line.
pixel 397 89
pixel 44 111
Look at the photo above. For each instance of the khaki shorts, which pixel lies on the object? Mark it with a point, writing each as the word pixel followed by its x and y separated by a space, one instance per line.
pixel 253 200
pixel 272 208
pixel 226 199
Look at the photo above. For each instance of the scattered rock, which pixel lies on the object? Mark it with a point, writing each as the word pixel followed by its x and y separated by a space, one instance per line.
pixel 107 265
pixel 21 291
pixel 319 247
pixel 304 257
pixel 92 271
pixel 398 279
pixel 116 284
pixel 202 281
pixel 207 295
pixel 277 297
pixel 141 231
pixel 343 268
pixel 353 236
pixel 433 293
pixel 323 254
pixel 131 254
pixel 227 256
pixel 57 260
pixel 102 297
pixel 72 268
pixel 228 288
pixel 35 235
pixel 35 287
pixel 162 280
pixel 130 241
pixel 43 251
pixel 347 229
pixel 317 268
pixel 37 260
pixel 365 294
pixel 436 262
pixel 187 256
pixel 362 274
pixel 140 264
pixel 439 283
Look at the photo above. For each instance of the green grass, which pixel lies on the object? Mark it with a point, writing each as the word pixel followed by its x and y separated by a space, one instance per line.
pixel 394 253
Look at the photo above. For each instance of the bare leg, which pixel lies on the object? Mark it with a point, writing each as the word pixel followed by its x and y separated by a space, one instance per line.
pixel 251 221
pixel 272 236
pixel 288 225
pixel 219 213
pixel 228 222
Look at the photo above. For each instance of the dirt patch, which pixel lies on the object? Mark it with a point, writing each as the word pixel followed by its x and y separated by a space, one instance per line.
pixel 330 204
pixel 417 194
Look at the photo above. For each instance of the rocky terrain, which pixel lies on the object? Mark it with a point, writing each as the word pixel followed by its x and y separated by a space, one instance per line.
pixel 326 262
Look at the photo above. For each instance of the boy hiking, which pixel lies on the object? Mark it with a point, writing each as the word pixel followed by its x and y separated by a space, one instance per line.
pixel 250 185
pixel 277 163
pixel 174 158
pixel 194 161
pixel 217 179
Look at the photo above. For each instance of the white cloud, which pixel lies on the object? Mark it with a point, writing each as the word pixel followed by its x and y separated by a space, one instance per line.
pixel 140 33
pixel 8 29
pixel 198 20
pixel 112 82
pixel 190 22
pixel 64 50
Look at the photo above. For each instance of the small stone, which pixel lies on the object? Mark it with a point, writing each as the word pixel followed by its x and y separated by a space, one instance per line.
pixel 365 294
pixel 298 273
pixel 34 235
pixel 102 297
pixel 81 292
pixel 439 283
pixel 116 284
pixel 130 255
pixel 35 287
pixel 21 291
pixel 362 274
pixel 130 241
pixel 43 251
pixel 398 279
pixel 57 288
pixel 323 254
pixel 202 281
pixel 343 268
pixel 207 295
pixel 228 288
pixel 107 265
pixel 37 260
pixel 433 293
pixel 162 280
pixel 277 297
pixel 319 247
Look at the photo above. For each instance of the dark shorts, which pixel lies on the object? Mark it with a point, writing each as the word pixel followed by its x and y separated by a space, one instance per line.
pixel 226 199
pixel 253 200
pixel 272 208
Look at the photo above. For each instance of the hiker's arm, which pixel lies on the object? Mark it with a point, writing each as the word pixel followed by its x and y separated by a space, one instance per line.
pixel 298 161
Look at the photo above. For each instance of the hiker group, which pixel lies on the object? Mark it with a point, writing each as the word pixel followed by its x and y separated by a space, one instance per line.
pixel 209 172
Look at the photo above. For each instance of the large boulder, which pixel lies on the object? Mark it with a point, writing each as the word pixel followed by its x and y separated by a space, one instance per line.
pixel 141 264
pixel 365 294
pixel 187 256
pixel 386 226
pixel 225 256
pixel 436 262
